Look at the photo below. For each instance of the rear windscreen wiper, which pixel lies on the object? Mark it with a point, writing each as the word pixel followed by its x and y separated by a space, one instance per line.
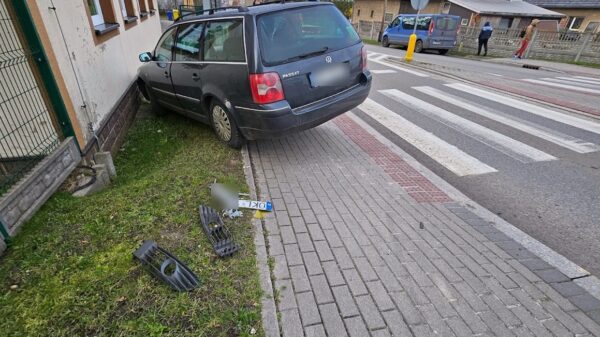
pixel 302 56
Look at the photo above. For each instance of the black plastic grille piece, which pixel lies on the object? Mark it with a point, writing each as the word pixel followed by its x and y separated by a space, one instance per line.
pixel 217 233
pixel 166 267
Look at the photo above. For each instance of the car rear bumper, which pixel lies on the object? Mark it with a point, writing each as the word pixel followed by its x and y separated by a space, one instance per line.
pixel 271 123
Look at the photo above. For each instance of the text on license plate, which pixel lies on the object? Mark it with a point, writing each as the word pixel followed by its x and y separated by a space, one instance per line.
pixel 329 76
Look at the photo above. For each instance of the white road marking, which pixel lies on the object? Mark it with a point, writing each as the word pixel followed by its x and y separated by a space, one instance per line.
pixel 378 58
pixel 595 79
pixel 553 136
pixel 580 80
pixel 564 86
pixel 511 147
pixel 571 82
pixel 564 118
pixel 496 75
pixel 383 71
pixel 442 152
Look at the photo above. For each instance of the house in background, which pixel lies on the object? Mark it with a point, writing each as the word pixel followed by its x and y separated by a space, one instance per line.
pixel 67 91
pixel 581 15
pixel 501 13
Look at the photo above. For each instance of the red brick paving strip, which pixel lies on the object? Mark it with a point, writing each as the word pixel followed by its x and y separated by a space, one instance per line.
pixel 415 184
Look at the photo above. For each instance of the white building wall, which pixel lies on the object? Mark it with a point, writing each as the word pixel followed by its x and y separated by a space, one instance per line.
pixel 96 76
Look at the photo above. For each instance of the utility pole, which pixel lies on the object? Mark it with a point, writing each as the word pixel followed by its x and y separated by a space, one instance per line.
pixel 382 20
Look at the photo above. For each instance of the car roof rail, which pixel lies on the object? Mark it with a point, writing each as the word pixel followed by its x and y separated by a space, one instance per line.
pixel 278 2
pixel 198 10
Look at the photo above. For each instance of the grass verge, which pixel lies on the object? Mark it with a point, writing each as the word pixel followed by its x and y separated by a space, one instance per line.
pixel 72 264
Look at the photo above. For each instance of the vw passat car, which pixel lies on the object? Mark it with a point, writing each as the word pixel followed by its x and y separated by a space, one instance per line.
pixel 260 71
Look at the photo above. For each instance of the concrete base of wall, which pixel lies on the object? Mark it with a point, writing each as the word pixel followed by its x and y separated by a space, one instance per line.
pixel 24 199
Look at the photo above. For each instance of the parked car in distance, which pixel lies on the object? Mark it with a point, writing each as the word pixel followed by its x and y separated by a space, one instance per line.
pixel 258 72
pixel 434 31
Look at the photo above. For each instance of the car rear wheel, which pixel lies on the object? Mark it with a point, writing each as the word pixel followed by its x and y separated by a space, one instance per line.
pixel 225 126
pixel 443 51
pixel 385 42
pixel 419 46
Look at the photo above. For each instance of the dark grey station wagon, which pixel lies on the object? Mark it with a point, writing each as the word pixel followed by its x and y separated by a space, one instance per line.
pixel 260 71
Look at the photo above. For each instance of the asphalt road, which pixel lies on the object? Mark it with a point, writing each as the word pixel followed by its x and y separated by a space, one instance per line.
pixel 536 166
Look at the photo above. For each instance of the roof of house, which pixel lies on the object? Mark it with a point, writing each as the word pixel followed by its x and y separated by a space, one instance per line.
pixel 591 4
pixel 506 7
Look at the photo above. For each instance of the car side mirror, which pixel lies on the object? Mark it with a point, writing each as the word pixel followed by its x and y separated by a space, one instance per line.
pixel 145 57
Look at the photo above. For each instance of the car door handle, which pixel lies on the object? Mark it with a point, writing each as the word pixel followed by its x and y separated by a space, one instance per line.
pixel 166 74
pixel 195 77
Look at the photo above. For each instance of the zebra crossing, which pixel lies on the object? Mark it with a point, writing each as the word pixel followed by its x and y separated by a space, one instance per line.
pixel 441 104
pixel 582 84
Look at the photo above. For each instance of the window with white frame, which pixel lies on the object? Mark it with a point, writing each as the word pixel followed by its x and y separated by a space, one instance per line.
pixel 127 9
pixel 95 12
pixel 575 22
pixel 143 8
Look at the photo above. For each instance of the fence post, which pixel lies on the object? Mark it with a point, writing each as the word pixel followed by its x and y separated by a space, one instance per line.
pixel 530 46
pixel 372 27
pixel 586 40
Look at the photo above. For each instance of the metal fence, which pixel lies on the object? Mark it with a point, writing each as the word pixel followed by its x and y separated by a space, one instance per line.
pixel 28 127
pixel 558 46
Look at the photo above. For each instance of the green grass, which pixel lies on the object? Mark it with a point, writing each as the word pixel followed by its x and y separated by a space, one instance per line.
pixel 73 263
pixel 586 64
pixel 369 41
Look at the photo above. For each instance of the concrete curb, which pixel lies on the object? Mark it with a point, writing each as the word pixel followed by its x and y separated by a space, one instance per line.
pixel 268 308
pixel 579 275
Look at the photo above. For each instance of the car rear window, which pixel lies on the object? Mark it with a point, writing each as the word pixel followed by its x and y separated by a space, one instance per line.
pixel 290 35
pixel 446 23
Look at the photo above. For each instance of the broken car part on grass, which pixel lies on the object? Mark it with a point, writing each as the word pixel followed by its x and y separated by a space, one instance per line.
pixel 166 267
pixel 217 233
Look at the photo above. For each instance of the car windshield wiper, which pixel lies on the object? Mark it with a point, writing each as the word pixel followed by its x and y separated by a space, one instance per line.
pixel 303 56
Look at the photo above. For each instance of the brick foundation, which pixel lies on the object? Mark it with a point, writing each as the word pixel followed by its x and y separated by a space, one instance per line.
pixel 114 127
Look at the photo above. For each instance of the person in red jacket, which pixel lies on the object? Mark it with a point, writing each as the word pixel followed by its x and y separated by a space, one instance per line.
pixel 525 41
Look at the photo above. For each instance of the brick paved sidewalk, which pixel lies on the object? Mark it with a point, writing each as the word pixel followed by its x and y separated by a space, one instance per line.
pixel 364 245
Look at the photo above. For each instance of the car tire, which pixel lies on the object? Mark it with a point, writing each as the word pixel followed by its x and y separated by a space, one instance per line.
pixel 443 51
pixel 224 125
pixel 419 46
pixel 155 107
pixel 385 42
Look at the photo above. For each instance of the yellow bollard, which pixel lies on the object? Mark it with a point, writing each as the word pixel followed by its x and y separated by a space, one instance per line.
pixel 410 50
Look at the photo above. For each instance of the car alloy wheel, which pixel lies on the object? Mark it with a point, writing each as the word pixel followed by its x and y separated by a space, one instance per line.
pixel 419 46
pixel 221 123
pixel 385 42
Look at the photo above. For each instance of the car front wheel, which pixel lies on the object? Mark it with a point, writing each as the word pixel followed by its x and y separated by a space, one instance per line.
pixel 419 47
pixel 225 126
pixel 385 42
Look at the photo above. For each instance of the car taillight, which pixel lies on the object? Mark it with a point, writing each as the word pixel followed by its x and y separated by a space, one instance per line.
pixel 431 27
pixel 363 53
pixel 266 88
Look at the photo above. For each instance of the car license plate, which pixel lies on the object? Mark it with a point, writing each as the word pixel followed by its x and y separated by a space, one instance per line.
pixel 331 75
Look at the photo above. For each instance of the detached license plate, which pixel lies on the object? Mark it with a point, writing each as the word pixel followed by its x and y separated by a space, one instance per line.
pixel 329 76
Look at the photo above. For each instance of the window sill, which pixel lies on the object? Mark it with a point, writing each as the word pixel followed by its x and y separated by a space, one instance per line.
pixel 130 19
pixel 105 28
